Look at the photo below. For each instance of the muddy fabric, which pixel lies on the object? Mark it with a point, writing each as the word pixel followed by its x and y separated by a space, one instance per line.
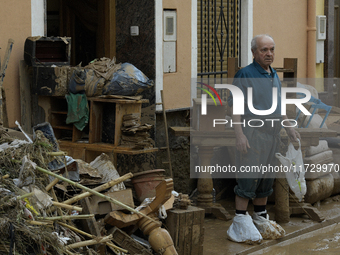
pixel 98 72
pixel 77 81
pixel 269 229
pixel 264 143
pixel 104 67
pixel 93 84
pixel 78 110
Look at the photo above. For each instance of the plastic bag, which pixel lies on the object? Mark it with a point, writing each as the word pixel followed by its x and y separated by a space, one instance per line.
pixel 77 81
pixel 243 230
pixel 269 229
pixel 294 170
pixel 127 81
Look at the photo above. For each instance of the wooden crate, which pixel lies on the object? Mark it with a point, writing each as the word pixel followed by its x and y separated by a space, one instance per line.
pixel 100 206
pixel 186 228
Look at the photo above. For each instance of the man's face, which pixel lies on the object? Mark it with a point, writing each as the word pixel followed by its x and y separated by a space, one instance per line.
pixel 264 54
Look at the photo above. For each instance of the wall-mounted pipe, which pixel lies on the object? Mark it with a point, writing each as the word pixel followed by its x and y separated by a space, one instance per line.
pixel 311 38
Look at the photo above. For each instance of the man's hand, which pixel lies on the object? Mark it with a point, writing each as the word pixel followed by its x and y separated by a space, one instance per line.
pixel 293 134
pixel 242 143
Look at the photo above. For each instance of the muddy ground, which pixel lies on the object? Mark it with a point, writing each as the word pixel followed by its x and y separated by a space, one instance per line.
pixel 303 236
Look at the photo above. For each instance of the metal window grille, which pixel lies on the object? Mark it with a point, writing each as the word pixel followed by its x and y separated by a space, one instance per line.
pixel 218 36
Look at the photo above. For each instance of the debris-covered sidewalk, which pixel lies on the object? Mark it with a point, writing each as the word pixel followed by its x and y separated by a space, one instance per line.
pixel 53 204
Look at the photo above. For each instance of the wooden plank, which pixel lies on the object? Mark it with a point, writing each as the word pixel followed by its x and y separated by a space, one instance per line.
pixel 116 101
pixel 74 152
pixel 196 234
pixel 130 151
pixel 199 214
pixel 232 67
pixel 181 131
pixel 290 63
pixel 90 225
pixel 201 237
pixel 76 134
pixel 124 97
pixel 186 229
pixel 25 97
pixel 95 125
pixel 101 206
pixel 316 132
pixel 188 232
pixel 284 70
pixel 172 223
pixel 304 132
pixel 181 232
pixel 104 147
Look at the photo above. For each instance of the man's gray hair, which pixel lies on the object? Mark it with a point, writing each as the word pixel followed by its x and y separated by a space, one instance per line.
pixel 254 40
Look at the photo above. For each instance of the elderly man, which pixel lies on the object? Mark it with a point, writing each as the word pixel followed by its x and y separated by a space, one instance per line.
pixel 256 144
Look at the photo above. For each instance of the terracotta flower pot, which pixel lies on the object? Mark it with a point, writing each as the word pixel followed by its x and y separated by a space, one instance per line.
pixel 145 183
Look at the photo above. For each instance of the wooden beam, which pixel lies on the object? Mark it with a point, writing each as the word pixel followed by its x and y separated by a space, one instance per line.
pixel 25 97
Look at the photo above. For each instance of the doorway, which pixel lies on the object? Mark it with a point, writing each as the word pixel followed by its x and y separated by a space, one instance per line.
pixel 89 23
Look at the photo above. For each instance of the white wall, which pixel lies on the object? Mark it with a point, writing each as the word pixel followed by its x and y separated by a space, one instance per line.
pixel 159 52
pixel 246 31
pixel 38 15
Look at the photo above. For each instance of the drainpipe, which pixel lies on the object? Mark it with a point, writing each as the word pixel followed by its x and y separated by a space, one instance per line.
pixel 311 38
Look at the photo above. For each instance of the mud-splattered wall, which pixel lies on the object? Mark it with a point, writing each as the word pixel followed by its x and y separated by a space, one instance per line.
pixel 137 50
pixel 179 150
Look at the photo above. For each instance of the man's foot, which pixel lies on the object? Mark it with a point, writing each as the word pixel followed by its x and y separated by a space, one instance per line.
pixel 243 230
pixel 269 229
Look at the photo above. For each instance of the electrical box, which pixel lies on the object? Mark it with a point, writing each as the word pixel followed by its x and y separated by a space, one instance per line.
pixel 170 26
pixel 134 30
pixel 321 27
pixel 169 40
pixel 321 23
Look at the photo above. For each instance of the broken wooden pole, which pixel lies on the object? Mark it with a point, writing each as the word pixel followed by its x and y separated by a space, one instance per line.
pixel 3 113
pixel 67 217
pixel 70 207
pixel 110 244
pixel 24 196
pixel 5 176
pixel 60 212
pixel 90 242
pixel 57 153
pixel 70 253
pixel 40 223
pixel 92 191
pixel 99 188
pixel 54 182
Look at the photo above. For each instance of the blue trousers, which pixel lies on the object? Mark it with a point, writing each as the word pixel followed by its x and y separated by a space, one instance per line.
pixel 255 177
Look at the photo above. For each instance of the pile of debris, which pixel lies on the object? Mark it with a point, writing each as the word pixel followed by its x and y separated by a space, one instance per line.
pixel 134 134
pixel 78 208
